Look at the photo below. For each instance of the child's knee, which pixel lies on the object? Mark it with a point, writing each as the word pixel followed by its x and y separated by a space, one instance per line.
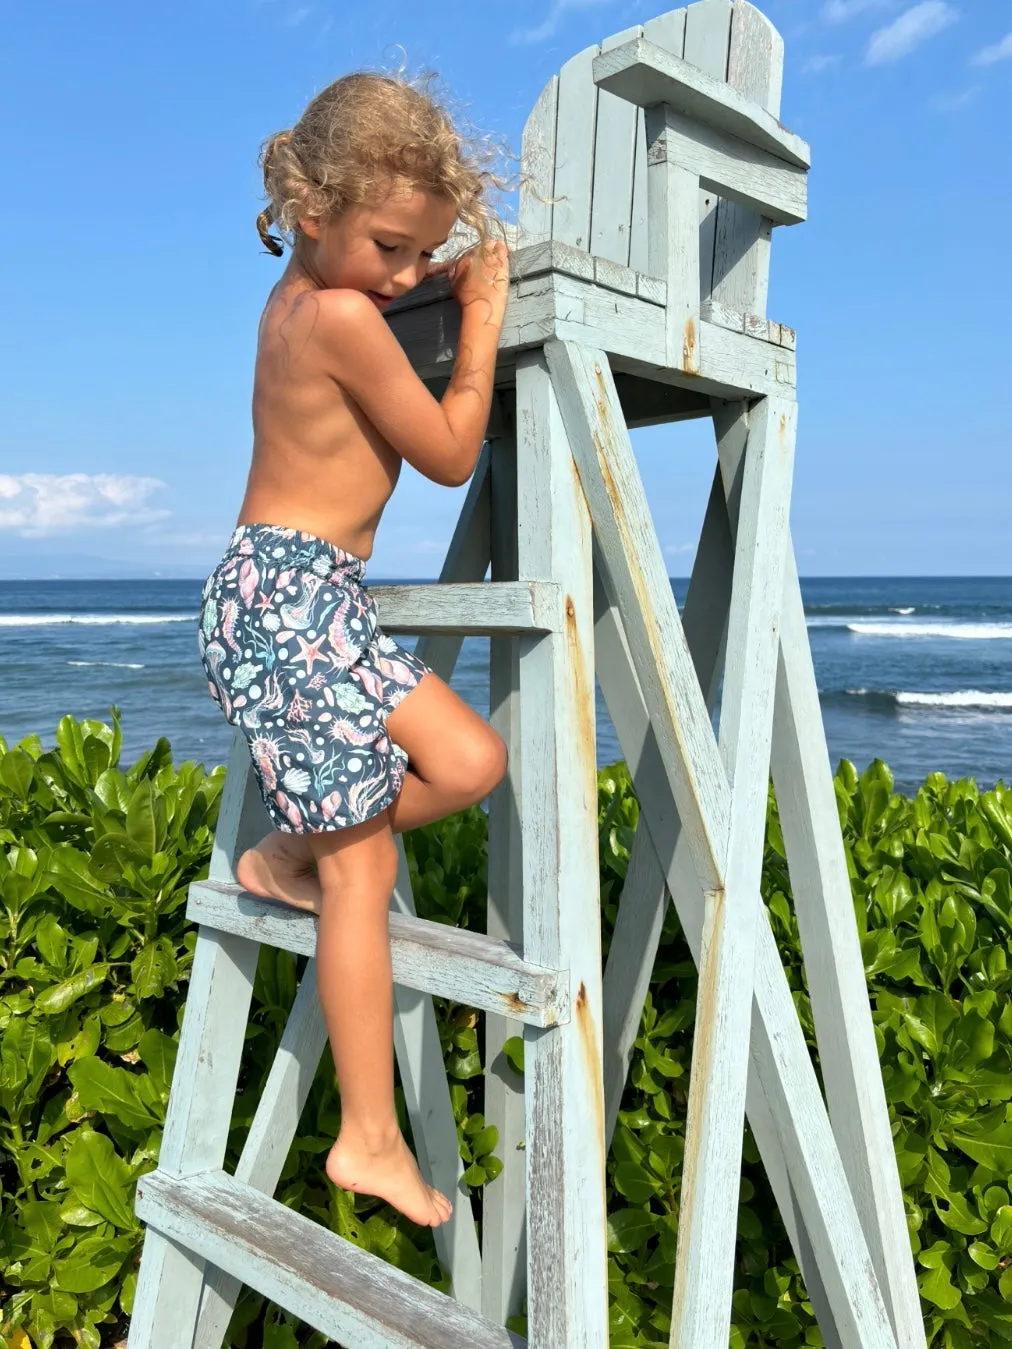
pixel 485 766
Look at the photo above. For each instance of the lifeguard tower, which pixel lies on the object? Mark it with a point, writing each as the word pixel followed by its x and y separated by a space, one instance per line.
pixel 659 169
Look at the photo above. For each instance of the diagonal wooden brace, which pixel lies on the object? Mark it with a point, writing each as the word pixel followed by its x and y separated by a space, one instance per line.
pixel 699 785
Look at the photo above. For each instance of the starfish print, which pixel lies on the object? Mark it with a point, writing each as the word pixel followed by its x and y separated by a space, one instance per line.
pixel 264 602
pixel 310 651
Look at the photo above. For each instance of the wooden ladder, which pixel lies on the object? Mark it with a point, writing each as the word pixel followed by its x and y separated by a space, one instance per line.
pixel 638 295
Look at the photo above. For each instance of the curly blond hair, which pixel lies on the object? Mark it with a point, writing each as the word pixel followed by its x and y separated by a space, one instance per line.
pixel 363 135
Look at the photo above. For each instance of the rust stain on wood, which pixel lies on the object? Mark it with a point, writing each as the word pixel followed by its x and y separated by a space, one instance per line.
pixel 689 363
pixel 582 694
pixel 592 1060
pixel 515 1003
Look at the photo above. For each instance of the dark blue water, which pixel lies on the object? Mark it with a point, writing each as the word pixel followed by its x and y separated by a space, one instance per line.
pixel 917 672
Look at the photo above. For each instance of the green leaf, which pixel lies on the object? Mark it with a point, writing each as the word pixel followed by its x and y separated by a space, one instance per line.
pixel 513 1048
pixel 58 998
pixel 153 969
pixel 630 1229
pixel 937 1287
pixel 113 1091
pixel 100 1179
pixel 991 1147
pixel 94 1261
pixel 140 819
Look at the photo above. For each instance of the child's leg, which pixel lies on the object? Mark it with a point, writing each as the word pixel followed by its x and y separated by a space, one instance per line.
pixel 456 760
pixel 357 868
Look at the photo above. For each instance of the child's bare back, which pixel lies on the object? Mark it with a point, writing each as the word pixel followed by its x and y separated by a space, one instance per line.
pixel 319 464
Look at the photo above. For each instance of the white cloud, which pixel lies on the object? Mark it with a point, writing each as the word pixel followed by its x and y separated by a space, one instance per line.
pixel 815 65
pixel 913 27
pixel 36 505
pixel 558 11
pixel 842 11
pixel 990 56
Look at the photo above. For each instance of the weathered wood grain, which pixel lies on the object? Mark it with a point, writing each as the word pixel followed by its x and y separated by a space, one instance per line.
pixel 667 31
pixel 269 1139
pixel 566 1210
pixel 740 172
pixel 648 75
pixel 430 1112
pixel 503 1248
pixel 711 1168
pixel 333 1285
pixel 574 150
pixel 741 254
pixel 784 1102
pixel 472 608
pixel 433 957
pixel 835 969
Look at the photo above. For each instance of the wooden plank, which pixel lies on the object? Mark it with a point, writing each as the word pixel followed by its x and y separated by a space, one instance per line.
pixel 576 119
pixel 170 1281
pixel 639 745
pixel 504 1252
pixel 648 75
pixel 624 530
pixel 667 31
pixel 336 1287
pixel 270 1137
pixel 707 29
pixel 835 969
pixel 631 330
pixel 466 560
pixel 637 935
pixel 742 252
pixel 430 1111
pixel 615 149
pixel 627 975
pixel 433 957
pixel 470 608
pixel 674 246
pixel 784 1101
pixel 534 214
pixel 566 1208
pixel 732 168
pixel 711 1170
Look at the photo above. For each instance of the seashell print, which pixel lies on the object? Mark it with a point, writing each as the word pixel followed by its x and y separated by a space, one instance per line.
pixel 370 681
pixel 330 805
pixel 290 809
pixel 249 579
pixel 297 780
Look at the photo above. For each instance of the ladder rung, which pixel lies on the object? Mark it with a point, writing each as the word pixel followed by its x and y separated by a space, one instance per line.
pixel 351 1296
pixel 469 967
pixel 476 608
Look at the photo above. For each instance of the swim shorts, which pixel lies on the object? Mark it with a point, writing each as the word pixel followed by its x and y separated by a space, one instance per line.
pixel 294 656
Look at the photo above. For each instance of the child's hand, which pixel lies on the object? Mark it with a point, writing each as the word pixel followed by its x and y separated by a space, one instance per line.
pixel 482 273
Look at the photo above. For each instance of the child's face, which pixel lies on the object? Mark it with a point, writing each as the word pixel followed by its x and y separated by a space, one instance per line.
pixel 382 250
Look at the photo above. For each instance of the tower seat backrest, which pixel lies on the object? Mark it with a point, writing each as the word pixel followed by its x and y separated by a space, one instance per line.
pixel 585 152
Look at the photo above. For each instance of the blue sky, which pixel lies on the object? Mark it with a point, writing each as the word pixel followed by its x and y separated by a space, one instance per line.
pixel 134 277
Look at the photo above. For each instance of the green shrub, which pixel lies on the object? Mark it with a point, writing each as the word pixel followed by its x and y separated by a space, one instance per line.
pixel 95 953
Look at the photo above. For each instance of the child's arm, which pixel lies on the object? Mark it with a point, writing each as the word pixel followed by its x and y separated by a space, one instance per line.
pixel 443 439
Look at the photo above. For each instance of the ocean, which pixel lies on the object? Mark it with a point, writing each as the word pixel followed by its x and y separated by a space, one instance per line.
pixel 915 671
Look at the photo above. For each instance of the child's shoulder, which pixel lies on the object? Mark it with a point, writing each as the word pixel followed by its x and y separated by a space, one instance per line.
pixel 320 315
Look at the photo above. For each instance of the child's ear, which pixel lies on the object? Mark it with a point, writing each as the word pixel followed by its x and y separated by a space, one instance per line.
pixel 310 226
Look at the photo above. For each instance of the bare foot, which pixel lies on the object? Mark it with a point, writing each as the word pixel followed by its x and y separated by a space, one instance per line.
pixel 281 866
pixel 390 1172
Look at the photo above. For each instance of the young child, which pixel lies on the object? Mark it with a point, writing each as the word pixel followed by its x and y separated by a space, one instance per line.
pixel 352 738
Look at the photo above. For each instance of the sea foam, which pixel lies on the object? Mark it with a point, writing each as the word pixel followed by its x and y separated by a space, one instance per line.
pixel 961 631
